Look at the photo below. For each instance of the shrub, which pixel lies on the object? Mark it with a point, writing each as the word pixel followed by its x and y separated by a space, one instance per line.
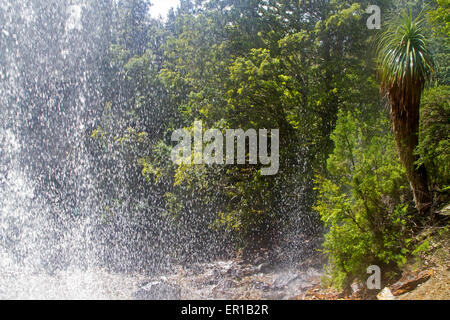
pixel 434 142
pixel 364 200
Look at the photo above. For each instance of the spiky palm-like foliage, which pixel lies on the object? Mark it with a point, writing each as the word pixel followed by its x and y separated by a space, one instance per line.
pixel 405 65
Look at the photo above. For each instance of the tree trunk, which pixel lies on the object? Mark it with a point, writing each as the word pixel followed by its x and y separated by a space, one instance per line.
pixel 405 122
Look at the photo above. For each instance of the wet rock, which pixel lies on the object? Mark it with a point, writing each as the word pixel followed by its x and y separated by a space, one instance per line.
pixel 409 282
pixel 211 282
pixel 386 294
pixel 225 266
pixel 228 284
pixel 195 269
pixel 275 295
pixel 263 268
pixel 261 285
pixel 284 280
pixel 213 277
pixel 158 290
pixel 356 287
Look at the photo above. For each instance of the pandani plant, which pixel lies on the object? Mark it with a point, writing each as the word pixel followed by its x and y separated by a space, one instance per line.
pixel 405 65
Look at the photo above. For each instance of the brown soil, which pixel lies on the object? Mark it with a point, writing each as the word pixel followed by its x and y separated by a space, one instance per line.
pixel 437 287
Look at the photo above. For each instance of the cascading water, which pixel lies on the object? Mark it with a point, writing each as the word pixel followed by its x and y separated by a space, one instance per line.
pixel 54 242
pixel 50 234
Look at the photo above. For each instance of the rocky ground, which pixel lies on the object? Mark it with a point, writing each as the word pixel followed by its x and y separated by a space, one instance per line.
pixel 232 280
pixel 437 261
pixel 425 277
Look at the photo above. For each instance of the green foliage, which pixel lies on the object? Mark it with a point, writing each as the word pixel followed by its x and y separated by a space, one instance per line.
pixel 422 248
pixel 364 201
pixel 291 78
pixel 440 17
pixel 404 58
pixel 439 21
pixel 434 142
pixel 249 64
pixel 256 67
